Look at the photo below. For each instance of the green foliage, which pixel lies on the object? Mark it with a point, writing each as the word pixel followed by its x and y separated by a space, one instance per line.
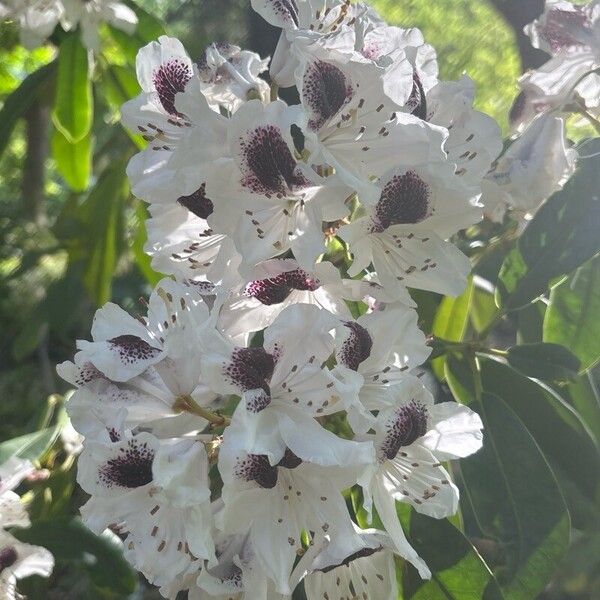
pixel 572 315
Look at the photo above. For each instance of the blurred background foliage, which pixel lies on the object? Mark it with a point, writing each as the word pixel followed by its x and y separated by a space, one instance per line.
pixel 71 238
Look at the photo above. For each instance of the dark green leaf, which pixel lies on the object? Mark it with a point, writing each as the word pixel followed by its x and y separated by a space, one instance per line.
pixel 513 493
pixel 73 161
pixel 562 236
pixel 71 542
pixel 73 105
pixel 19 101
pixel 556 427
pixel 458 571
pixel 31 446
pixel 573 315
pixel 585 398
pixel 550 362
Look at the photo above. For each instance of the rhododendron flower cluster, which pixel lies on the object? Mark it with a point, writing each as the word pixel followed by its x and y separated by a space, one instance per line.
pixel 276 368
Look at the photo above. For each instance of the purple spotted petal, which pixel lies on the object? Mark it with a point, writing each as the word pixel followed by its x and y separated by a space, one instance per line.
pixel 408 424
pixel 198 203
pixel 131 468
pixel 169 79
pixel 356 347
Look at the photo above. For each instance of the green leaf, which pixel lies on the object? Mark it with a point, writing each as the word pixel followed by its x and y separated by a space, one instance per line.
pixel 483 309
pixel 102 213
pixel 550 362
pixel 572 315
pixel 458 571
pixel 30 446
pixel 513 492
pixel 73 161
pixel 72 543
pixel 19 101
pixel 73 104
pixel 585 398
pixel 557 429
pixel 561 237
pixel 450 322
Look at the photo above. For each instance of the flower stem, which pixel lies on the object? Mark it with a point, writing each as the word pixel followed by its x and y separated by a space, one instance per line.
pixel 188 404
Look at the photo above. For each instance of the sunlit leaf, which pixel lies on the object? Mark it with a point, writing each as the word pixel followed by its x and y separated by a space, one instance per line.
pixel 30 446
pixel 451 321
pixel 73 160
pixel 73 104
pixel 572 318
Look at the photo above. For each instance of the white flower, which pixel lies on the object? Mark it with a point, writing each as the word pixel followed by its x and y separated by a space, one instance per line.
pixel 303 22
pixel 37 18
pixel 156 494
pixel 383 347
pixel 535 165
pixel 182 243
pixel 148 370
pixel 89 14
pixel 275 498
pixel 368 571
pixel 12 510
pixel 237 574
pixel 263 197
pixel 280 282
pixel 411 440
pixel 17 561
pixel 474 139
pixel 353 126
pixel 230 75
pixel 566 28
pixel 403 235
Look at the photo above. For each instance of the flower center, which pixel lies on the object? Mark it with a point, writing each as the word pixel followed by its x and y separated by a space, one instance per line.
pixel 131 468
pixel 404 200
pixel 250 369
pixel 198 203
pixel 356 347
pixel 256 467
pixel 132 349
pixel 325 90
pixel 8 557
pixel 408 424
pixel 268 164
pixel 561 28
pixel 169 79
pixel 276 289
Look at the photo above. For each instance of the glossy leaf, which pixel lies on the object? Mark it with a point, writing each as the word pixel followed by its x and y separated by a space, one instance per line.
pixel 73 104
pixel 549 362
pixel 19 101
pixel 513 492
pixel 451 321
pixel 72 543
pixel 30 446
pixel 561 237
pixel 585 397
pixel 73 160
pixel 557 429
pixel 572 318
